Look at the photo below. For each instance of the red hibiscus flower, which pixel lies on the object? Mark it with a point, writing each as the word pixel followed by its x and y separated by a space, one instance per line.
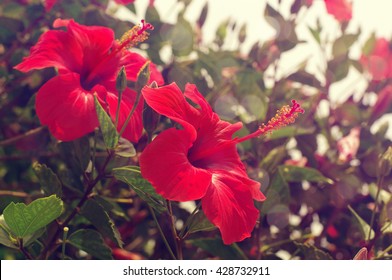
pixel 342 10
pixel 200 160
pixel 383 103
pixel 88 60
pixel 379 61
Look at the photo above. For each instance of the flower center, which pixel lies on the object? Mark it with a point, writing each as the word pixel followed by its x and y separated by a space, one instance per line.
pixel 99 73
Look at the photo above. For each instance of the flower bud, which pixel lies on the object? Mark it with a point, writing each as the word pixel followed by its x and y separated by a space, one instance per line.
pixel 121 81
pixel 150 117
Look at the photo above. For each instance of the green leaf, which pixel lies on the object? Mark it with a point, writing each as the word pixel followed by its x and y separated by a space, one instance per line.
pixel 310 252
pixel 111 207
pixel 131 7
pixel 125 148
pixel 200 223
pixel 181 38
pixel 316 34
pixel 24 220
pixel 9 28
pixel 132 177
pixel 338 68
pixel 290 131
pixel 270 12
pixel 363 225
pixel 342 45
pixel 109 132
pixel 369 44
pixel 298 174
pixel 305 78
pixel 357 65
pixel 349 114
pixel 277 193
pixel 76 154
pixel 216 247
pixel 384 196
pixel 49 181
pixel 180 74
pixel 81 150
pixel 91 242
pixel 273 158
pixel 152 15
pixel 96 214
pixel 5 235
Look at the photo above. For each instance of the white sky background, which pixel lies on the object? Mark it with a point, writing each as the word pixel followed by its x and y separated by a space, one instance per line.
pixel 368 15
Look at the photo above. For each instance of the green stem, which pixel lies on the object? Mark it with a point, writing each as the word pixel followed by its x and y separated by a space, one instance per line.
pixel 118 108
pixel 65 234
pixel 161 232
pixel 130 114
pixel 282 242
pixel 177 240
pixel 23 250
pixel 94 153
pixel 382 254
pixel 182 233
pixel 76 209
pixel 380 181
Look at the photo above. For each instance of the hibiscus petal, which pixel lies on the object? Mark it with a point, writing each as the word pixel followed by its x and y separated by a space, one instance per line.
pixel 74 50
pixel 66 108
pixel 229 205
pixel 133 62
pixel 170 102
pixel 54 49
pixel 165 165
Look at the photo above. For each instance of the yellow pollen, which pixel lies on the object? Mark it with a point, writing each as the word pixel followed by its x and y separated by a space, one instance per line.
pixel 135 35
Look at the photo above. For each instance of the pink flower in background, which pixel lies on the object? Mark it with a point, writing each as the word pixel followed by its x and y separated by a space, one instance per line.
pixel 49 4
pixel 348 145
pixel 383 103
pixel 124 2
pixel 379 61
pixel 88 60
pixel 342 10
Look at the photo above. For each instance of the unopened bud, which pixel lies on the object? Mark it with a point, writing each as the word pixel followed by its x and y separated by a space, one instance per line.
pixel 121 81
pixel 150 117
pixel 385 163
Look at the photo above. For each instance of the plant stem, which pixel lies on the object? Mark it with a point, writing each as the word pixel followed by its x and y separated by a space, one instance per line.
pixel 177 240
pixel 22 136
pixel 130 114
pixel 90 187
pixel 380 181
pixel 23 250
pixel 384 252
pixel 65 233
pixel 161 232
pixel 118 109
pixel 182 233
